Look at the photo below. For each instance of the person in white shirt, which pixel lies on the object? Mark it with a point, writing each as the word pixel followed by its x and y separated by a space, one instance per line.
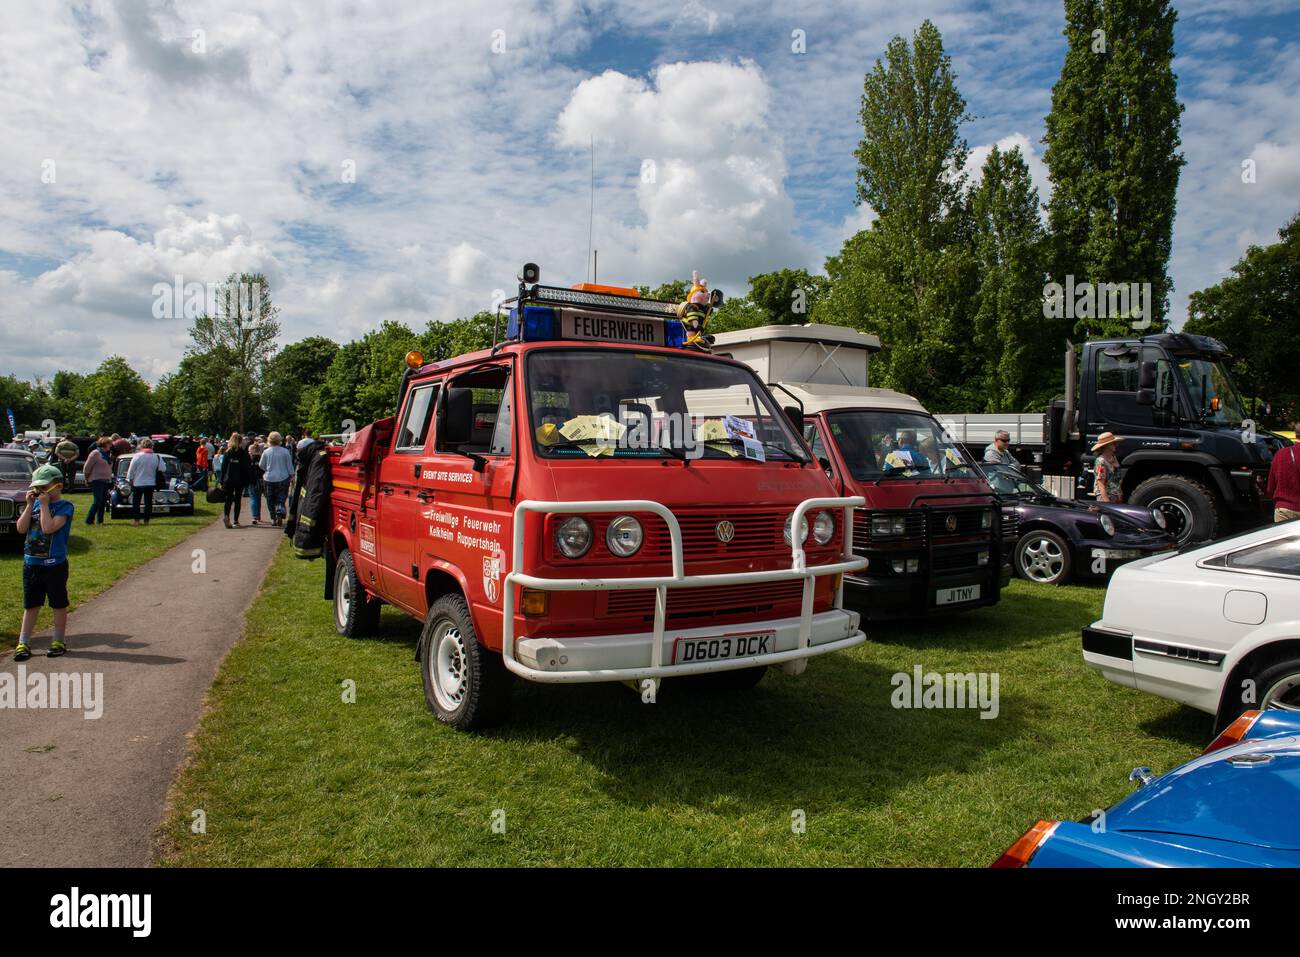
pixel 142 476
pixel 277 468
pixel 998 452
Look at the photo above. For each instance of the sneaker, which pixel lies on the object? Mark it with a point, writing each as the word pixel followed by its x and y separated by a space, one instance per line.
pixel 57 648
pixel 22 652
pixel 255 521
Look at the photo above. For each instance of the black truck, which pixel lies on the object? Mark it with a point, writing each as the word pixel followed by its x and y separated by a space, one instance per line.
pixel 1188 448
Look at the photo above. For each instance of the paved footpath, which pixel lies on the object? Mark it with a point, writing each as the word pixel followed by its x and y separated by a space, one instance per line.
pixel 82 792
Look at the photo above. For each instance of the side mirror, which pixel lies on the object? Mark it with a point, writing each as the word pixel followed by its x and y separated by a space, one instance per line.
pixel 1146 397
pixel 794 415
pixel 455 420
pixel 1146 376
pixel 825 463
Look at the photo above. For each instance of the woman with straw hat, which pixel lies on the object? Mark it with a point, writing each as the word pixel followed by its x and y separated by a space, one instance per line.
pixel 1107 486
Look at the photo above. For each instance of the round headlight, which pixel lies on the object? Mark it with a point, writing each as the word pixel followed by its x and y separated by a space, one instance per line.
pixel 182 488
pixel 1159 518
pixel 803 529
pixel 823 528
pixel 573 537
pixel 624 536
pixel 1108 525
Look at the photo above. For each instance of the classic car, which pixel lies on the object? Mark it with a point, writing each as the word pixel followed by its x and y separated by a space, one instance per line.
pixel 1215 627
pixel 1233 806
pixel 1063 539
pixel 175 498
pixel 16 469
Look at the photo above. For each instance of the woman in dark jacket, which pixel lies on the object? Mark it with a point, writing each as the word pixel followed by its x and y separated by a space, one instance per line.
pixel 236 472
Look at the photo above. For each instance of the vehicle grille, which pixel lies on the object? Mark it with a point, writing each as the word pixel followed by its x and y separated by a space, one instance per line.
pixel 954 560
pixel 968 522
pixel 1010 525
pixel 703 603
pixel 6 508
pixel 758 532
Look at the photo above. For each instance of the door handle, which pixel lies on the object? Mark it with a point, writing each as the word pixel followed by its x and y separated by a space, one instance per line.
pixel 386 489
pixel 425 497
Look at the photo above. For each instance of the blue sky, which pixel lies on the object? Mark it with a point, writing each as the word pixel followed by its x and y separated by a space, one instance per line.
pixel 147 140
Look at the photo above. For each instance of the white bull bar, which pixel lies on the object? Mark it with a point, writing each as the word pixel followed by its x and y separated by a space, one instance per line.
pixel 678 579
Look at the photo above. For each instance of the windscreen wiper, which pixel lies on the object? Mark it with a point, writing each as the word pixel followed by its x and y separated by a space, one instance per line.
pixel 740 443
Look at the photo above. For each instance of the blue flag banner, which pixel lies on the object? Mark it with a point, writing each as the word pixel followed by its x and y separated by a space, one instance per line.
pixel 13 426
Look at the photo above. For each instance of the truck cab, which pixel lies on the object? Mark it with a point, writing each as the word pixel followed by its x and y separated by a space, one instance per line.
pixel 1188 447
pixel 936 537
pixel 589 500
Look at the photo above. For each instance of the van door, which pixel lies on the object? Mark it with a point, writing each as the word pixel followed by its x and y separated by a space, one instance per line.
pixel 466 490
pixel 398 488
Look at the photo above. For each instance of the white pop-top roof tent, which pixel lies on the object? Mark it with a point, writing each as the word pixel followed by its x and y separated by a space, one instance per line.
pixel 824 366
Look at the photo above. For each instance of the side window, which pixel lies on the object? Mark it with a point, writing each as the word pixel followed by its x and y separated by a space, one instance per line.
pixel 1280 558
pixel 1117 385
pixel 415 420
pixel 493 410
pixel 813 436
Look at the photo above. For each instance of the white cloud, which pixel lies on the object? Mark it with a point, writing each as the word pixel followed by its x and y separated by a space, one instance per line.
pixel 709 169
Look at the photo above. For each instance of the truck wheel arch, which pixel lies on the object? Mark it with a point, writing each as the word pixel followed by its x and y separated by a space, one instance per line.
pixel 442 579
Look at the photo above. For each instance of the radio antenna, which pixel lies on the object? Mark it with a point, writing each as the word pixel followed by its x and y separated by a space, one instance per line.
pixel 591 213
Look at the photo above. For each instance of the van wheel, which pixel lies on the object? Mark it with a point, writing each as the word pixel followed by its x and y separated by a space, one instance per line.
pixel 466 685
pixel 356 614
pixel 1191 510
pixel 1044 557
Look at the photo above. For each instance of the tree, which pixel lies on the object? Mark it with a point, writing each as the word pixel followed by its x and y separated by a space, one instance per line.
pixel 115 398
pixel 1253 311
pixel 242 334
pixel 1016 342
pixel 910 277
pixel 1112 151
pixel 361 384
pixel 786 296
pixel 292 381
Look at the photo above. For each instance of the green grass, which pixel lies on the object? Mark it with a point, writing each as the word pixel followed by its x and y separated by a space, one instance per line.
pixel 290 775
pixel 98 555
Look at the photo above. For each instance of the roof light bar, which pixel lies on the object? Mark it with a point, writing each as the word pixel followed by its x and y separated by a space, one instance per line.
pixel 578 297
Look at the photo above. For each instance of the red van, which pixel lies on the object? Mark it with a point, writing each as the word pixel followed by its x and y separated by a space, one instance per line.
pixel 589 501
pixel 936 536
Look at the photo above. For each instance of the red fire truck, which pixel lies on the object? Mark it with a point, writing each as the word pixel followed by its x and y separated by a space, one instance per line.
pixel 589 500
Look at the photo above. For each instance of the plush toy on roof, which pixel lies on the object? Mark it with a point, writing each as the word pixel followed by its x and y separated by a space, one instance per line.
pixel 695 311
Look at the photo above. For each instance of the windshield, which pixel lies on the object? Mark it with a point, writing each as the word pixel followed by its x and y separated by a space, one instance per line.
pixel 1007 480
pixel 616 404
pixel 15 468
pixel 909 445
pixel 1212 391
pixel 171 466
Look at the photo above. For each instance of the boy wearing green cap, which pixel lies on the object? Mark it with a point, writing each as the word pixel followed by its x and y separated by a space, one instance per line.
pixel 45 520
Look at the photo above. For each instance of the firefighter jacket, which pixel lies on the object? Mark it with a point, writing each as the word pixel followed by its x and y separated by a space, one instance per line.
pixel 309 510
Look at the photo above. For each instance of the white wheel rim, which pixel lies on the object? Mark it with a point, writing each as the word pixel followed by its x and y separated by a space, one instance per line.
pixel 342 597
pixel 1284 695
pixel 448 666
pixel 1042 560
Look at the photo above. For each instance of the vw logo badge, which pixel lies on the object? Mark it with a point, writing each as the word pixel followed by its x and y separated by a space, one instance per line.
pixel 725 531
pixel 951 523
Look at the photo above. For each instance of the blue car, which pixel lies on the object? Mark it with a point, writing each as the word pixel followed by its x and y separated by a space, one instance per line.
pixel 1234 806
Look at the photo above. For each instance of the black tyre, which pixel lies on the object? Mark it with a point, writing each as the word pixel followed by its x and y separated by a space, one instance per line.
pixel 1191 510
pixel 1276 685
pixel 356 614
pixel 1044 557
pixel 466 685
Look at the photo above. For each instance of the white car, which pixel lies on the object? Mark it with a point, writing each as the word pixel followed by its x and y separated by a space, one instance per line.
pixel 1215 627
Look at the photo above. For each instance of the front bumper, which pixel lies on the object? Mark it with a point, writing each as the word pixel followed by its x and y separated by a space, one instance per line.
pixel 911 596
pixel 629 657
pixel 648 657
pixel 1099 560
